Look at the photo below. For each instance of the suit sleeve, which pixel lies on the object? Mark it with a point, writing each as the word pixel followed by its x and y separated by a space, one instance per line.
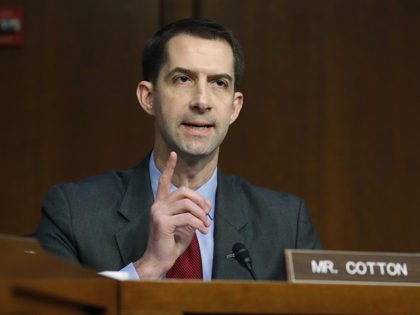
pixel 55 227
pixel 306 237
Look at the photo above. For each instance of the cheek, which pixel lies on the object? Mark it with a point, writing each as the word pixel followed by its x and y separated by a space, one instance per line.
pixel 165 116
pixel 228 110
pixel 168 118
pixel 163 105
pixel 225 119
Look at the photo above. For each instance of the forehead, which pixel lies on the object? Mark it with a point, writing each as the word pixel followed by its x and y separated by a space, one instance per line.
pixel 199 54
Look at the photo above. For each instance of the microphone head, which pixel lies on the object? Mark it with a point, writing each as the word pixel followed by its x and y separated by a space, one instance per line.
pixel 244 259
pixel 238 247
pixel 241 254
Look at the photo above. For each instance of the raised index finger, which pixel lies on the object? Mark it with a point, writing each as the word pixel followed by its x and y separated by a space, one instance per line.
pixel 164 187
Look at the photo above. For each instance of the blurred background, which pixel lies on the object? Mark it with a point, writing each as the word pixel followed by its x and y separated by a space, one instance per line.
pixel 331 108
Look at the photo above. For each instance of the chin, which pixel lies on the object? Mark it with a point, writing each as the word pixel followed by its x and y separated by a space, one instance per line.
pixel 197 154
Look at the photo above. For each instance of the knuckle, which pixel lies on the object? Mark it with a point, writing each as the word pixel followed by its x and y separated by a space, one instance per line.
pixel 162 179
pixel 156 210
pixel 183 190
pixel 157 220
pixel 187 204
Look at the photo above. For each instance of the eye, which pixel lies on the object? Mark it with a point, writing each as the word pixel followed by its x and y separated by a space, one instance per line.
pixel 221 83
pixel 181 79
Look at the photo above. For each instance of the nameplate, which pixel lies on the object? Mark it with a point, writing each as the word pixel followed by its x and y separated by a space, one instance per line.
pixel 323 266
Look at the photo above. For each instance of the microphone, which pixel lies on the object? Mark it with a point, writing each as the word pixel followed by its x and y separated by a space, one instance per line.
pixel 241 254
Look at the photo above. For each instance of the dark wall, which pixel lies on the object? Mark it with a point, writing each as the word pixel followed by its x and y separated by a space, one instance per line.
pixel 68 105
pixel 331 106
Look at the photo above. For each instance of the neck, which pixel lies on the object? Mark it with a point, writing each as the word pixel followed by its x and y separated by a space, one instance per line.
pixel 191 172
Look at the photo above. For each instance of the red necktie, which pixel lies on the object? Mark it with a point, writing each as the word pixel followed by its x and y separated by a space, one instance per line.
pixel 188 265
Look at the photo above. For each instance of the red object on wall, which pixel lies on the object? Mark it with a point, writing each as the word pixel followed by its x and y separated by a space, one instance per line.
pixel 11 26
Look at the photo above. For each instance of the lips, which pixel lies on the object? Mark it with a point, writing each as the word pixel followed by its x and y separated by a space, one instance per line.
pixel 198 125
pixel 198 128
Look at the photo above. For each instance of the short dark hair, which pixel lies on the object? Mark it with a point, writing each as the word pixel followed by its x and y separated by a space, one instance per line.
pixel 155 52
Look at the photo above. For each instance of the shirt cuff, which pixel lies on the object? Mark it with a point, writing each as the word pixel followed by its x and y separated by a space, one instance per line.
pixel 131 272
pixel 127 273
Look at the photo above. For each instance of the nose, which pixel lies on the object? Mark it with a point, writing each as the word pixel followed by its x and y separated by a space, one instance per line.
pixel 201 98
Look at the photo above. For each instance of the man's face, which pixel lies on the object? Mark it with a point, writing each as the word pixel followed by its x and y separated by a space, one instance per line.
pixel 194 100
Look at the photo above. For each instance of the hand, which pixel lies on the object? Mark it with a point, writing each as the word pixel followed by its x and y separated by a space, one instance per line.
pixel 174 218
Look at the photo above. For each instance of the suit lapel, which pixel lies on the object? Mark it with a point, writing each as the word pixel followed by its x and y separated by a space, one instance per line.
pixel 135 207
pixel 230 227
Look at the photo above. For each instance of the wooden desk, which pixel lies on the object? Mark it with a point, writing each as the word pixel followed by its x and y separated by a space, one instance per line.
pixel 191 297
pixel 32 282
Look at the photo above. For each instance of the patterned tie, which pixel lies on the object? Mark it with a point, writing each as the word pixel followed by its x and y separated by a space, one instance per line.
pixel 188 265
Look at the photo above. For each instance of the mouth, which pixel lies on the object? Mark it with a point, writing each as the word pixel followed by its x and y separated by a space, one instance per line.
pixel 198 125
pixel 198 129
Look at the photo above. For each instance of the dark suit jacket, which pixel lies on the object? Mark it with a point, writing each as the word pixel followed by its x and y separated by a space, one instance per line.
pixel 103 222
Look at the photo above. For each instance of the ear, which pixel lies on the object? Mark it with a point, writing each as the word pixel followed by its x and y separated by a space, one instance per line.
pixel 238 100
pixel 145 96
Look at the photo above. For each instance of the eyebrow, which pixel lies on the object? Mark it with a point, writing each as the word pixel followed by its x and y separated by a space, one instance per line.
pixel 194 74
pixel 181 70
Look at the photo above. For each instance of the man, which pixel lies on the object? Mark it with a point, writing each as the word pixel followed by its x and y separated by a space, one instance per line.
pixel 144 219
